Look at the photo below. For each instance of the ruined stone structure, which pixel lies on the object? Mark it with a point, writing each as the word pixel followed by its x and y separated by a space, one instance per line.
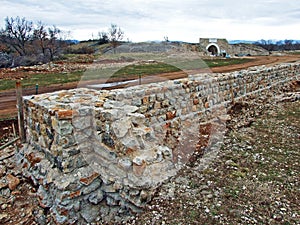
pixel 221 47
pixel 99 155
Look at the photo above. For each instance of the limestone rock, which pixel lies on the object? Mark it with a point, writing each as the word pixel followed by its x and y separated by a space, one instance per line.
pixel 90 212
pixel 121 127
pixel 12 181
pixel 96 197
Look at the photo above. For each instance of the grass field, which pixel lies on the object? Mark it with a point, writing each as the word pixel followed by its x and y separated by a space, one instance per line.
pixel 225 62
pixel 166 66
pixel 42 80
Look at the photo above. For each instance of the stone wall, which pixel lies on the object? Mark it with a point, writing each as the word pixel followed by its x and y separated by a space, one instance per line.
pixel 100 155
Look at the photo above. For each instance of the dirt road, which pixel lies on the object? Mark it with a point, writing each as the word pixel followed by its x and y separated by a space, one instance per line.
pixel 8 98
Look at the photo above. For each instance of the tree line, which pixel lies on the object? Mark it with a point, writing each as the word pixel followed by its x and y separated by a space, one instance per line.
pixel 283 45
pixel 26 43
pixel 23 42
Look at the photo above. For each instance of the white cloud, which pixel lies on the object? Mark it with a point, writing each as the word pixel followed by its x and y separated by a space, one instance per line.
pixel 152 20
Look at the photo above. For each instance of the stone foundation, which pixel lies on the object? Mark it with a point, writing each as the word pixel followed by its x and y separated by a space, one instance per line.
pixel 100 155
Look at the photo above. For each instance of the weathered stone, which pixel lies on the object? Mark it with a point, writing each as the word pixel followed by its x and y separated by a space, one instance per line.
pixel 45 199
pixel 160 97
pixel 82 122
pixel 165 103
pixel 136 118
pixel 170 115
pixel 129 109
pixel 121 126
pixel 33 158
pixel 107 140
pixel 5 192
pixel 3 183
pixel 108 188
pixel 138 169
pixel 145 100
pixel 125 163
pixel 143 109
pixel 2 170
pixel 12 181
pixel 111 114
pixel 63 127
pixel 89 212
pixel 138 161
pixel 167 152
pixel 111 201
pixel 96 197
pixel 64 114
pixel 90 179
pixel 92 187
pixel 4 217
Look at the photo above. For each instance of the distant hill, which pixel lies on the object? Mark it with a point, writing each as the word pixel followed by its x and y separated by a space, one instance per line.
pixel 72 41
pixel 241 42
pixel 272 41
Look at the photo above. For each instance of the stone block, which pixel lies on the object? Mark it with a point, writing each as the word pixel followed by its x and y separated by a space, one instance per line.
pixel 64 114
pixel 121 126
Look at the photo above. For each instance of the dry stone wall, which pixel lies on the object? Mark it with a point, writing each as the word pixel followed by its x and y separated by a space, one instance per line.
pixel 100 155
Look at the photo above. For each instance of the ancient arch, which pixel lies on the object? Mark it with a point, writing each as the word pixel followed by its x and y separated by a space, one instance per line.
pixel 213 48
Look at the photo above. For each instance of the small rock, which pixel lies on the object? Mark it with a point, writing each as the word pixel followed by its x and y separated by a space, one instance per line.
pixel 13 182
pixel 138 161
pixel 3 183
pixel 2 170
pixel 96 198
pixel 125 163
pixel 90 212
pixel 40 217
pixel 3 216
pixel 5 193
pixel 209 196
pixel 4 206
pixel 204 192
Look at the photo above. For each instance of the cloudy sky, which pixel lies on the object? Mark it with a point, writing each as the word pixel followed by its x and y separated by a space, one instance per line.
pixel 144 20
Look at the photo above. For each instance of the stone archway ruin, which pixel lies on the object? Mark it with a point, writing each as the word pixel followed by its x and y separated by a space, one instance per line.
pixel 213 49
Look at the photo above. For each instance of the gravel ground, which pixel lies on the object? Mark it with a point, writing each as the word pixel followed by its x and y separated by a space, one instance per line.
pixel 253 180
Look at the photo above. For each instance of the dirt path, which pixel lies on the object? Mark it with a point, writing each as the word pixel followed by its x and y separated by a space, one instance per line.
pixel 8 98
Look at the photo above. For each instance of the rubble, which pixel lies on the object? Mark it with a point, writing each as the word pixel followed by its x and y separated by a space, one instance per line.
pixel 253 180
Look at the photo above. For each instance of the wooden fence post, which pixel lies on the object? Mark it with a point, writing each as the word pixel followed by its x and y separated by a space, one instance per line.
pixel 140 79
pixel 20 111
pixel 36 89
pixel 232 95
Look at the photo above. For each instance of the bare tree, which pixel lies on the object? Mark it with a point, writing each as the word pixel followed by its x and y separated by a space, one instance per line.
pixel 40 34
pixel 54 43
pixel 25 41
pixel 103 38
pixel 166 38
pixel 115 35
pixel 17 33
